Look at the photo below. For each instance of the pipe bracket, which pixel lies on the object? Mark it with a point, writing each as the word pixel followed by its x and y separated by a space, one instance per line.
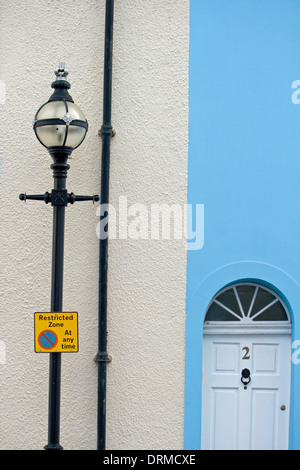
pixel 102 357
pixel 107 130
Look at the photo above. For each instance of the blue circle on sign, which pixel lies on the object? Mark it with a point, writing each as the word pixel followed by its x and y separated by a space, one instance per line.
pixel 47 339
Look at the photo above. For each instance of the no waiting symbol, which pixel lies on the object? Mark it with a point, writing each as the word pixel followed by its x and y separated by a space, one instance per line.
pixel 47 339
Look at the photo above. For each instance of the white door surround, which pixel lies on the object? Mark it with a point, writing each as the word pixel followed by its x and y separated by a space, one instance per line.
pixel 246 370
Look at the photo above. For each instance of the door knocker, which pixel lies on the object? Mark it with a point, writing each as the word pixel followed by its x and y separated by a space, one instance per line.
pixel 245 377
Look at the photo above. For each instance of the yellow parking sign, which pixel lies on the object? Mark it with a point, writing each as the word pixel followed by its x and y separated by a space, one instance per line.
pixel 55 332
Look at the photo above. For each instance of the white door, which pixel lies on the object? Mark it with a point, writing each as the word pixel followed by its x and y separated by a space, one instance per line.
pixel 246 370
pixel 252 415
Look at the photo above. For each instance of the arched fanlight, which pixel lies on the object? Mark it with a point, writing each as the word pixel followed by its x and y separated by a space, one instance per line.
pixel 246 302
pixel 60 123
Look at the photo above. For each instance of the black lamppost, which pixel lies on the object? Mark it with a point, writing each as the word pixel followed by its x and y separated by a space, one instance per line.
pixel 61 127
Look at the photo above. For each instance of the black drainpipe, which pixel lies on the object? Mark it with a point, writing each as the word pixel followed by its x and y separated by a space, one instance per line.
pixel 106 133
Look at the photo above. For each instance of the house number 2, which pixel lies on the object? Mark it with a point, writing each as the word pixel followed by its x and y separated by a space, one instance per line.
pixel 246 355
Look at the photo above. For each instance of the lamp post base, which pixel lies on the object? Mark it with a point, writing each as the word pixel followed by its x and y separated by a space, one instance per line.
pixel 53 447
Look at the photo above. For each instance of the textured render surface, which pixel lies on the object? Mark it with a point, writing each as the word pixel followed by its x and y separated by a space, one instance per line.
pixel 147 278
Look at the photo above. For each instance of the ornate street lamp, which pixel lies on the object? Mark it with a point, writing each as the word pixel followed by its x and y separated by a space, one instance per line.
pixel 59 124
pixel 61 127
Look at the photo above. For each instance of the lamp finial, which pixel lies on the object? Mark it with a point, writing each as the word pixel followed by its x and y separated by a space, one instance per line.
pixel 61 72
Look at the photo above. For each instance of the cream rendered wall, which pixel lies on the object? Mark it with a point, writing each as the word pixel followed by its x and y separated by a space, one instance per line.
pixel 146 295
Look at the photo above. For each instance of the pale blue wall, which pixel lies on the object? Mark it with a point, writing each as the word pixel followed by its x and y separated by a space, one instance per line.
pixel 244 166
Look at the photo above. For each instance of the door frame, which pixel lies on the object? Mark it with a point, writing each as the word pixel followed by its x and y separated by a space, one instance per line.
pixel 197 301
pixel 244 326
